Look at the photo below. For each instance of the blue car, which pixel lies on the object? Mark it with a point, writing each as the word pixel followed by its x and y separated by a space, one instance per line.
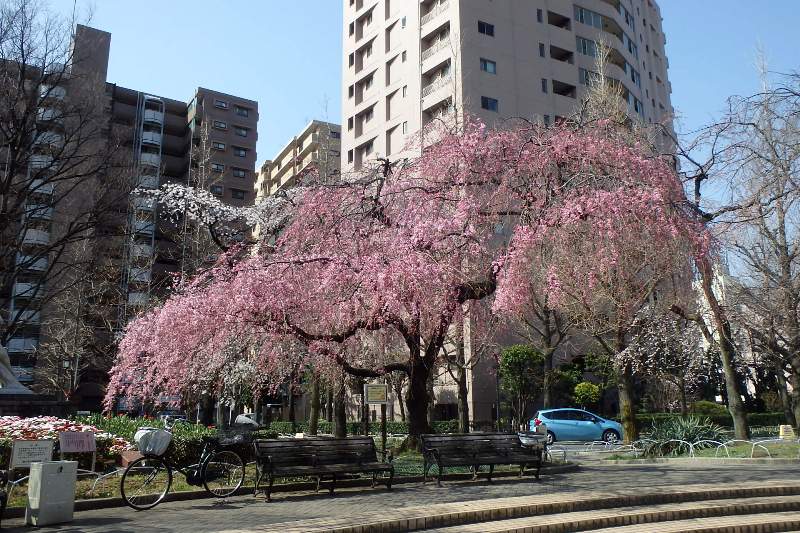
pixel 576 424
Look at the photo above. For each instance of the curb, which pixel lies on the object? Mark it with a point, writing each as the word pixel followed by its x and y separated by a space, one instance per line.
pixel 105 503
pixel 703 460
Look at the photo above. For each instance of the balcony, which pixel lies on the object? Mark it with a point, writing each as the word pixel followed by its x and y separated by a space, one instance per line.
pixel 55 92
pixel 36 237
pixel 144 227
pixel 40 161
pixel 153 160
pixel 24 373
pixel 148 182
pixel 153 116
pixel 143 204
pixel 438 84
pixel 30 316
pixel 141 251
pixel 39 212
pixel 49 138
pixel 139 275
pixel 27 262
pixel 151 137
pixel 49 114
pixel 27 290
pixel 137 298
pixel 41 186
pixel 430 15
pixel 438 45
pixel 22 345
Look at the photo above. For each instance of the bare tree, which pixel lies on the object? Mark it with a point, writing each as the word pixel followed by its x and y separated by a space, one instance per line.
pixel 63 181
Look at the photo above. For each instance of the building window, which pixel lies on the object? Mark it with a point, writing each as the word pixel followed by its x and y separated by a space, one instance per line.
pixel 405 90
pixel 486 28
pixel 490 104
pixel 590 18
pixel 544 85
pixel 541 49
pixel 487 65
pixel 241 111
pixel 239 173
pixel 351 91
pixel 349 123
pixel 586 47
pixel 539 16
pixel 368 148
pixel 403 22
pixel 404 56
pixel 222 104
pixel 220 125
pixel 352 59
pixel 217 167
pixel 349 156
pixel 547 120
pixel 218 146
pixel 238 194
pixel 368 114
pixel 336 135
pixel 352 28
pixel 405 127
pixel 217 190
pixel 239 152
pixel 241 132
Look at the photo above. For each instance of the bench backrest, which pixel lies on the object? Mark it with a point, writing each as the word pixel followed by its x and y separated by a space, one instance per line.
pixel 316 451
pixel 460 443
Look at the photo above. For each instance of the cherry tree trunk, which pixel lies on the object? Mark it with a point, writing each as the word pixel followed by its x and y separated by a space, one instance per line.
pixel 795 380
pixel 547 381
pixel 463 392
pixel 726 351
pixel 329 403
pixel 783 394
pixel 339 411
pixel 313 419
pixel 627 409
pixel 417 401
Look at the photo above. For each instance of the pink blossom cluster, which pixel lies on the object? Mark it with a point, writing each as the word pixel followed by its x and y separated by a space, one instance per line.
pixel 48 427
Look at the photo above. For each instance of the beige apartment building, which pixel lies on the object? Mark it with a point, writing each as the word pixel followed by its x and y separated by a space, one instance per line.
pixel 317 147
pixel 407 62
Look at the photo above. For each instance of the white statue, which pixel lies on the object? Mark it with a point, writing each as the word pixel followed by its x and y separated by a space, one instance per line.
pixel 9 384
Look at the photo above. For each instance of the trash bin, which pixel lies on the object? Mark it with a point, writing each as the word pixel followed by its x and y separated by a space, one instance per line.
pixel 51 492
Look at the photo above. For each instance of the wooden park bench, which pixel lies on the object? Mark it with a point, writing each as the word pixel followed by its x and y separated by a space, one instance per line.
pixel 478 449
pixel 318 458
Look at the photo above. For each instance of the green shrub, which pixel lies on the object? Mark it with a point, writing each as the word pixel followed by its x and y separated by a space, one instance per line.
pixel 692 430
pixel 354 428
pixel 586 394
pixel 707 408
pixel 646 420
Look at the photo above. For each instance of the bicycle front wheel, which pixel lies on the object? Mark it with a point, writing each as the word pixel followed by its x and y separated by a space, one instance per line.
pixel 145 482
pixel 223 473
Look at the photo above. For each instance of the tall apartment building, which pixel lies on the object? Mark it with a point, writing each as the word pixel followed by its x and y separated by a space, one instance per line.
pixel 317 147
pixel 406 62
pixel 160 138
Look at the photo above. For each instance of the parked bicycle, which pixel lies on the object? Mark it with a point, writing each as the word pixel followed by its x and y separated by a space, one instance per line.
pixel 147 480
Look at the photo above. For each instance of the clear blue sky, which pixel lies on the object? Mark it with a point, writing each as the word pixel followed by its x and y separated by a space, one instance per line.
pixel 289 57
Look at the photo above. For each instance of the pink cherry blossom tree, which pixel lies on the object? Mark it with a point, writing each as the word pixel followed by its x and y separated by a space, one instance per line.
pixel 391 256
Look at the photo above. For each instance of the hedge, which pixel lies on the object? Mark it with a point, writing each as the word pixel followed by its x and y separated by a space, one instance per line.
pixel 646 420
pixel 355 428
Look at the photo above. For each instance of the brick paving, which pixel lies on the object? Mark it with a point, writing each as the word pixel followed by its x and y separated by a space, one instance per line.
pixel 245 513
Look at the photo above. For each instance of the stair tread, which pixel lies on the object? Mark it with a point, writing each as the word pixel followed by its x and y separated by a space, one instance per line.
pixel 786 519
pixel 744 504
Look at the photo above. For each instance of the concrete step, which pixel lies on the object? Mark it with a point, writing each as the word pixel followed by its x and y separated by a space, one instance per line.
pixel 758 523
pixel 650 518
pixel 480 513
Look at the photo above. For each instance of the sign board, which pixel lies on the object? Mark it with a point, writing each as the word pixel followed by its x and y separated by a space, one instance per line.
pixel 25 452
pixel 376 393
pixel 76 442
pixel 787 433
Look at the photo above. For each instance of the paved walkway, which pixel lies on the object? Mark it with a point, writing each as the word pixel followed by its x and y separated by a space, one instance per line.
pixel 244 513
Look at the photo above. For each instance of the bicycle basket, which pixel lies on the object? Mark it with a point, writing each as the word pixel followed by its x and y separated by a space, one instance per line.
pixel 152 441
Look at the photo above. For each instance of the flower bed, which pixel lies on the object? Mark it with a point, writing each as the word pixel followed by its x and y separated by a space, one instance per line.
pixel 109 446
